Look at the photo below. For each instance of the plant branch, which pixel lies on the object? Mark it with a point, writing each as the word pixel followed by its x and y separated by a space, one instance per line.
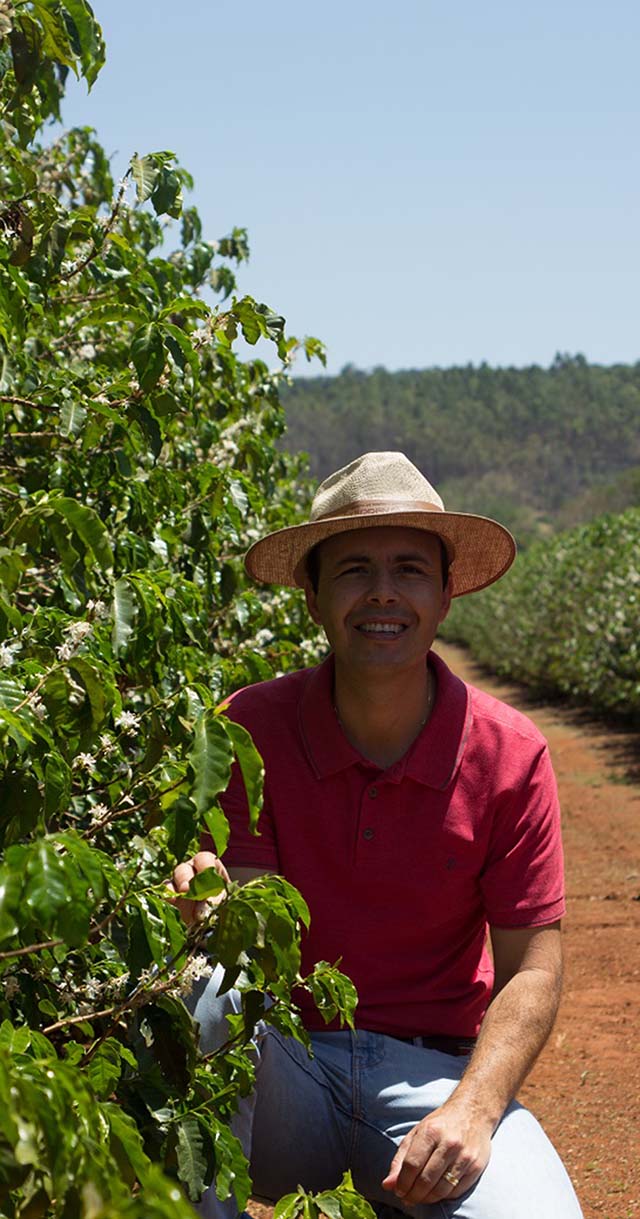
pixel 23 952
pixel 12 400
pixel 108 225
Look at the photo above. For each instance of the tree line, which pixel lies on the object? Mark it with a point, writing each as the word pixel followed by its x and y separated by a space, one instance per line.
pixel 540 448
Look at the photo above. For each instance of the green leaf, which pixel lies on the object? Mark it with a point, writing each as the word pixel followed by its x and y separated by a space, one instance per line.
pixel 188 306
pixel 218 826
pixel 206 884
pixel 20 730
pixel 148 356
pixel 88 526
pixel 184 345
pixel 89 36
pixel 98 691
pixel 55 42
pixel 72 417
pixel 251 766
pixel 11 882
pixel 100 315
pixel 167 193
pixel 333 993
pixel 289 1206
pixel 105 1068
pixel 192 1165
pixel 46 886
pixel 145 173
pixel 57 784
pixel 125 1133
pixel 210 757
pixel 231 1167
pixel 124 611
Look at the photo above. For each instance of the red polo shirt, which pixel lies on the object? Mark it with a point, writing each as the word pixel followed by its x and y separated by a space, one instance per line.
pixel 403 869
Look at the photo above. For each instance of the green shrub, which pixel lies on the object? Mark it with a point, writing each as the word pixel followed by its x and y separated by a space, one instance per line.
pixel 138 460
pixel 564 619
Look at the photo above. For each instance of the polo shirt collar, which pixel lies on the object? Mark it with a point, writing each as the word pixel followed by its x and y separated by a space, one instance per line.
pixel 432 760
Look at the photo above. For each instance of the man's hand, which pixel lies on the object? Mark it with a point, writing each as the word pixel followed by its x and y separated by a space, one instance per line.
pixel 450 1140
pixel 456 1138
pixel 191 911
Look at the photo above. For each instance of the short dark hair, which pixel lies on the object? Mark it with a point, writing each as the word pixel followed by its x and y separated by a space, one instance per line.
pixel 312 564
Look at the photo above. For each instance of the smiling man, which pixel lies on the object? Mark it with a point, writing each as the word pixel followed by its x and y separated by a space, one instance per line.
pixel 419 819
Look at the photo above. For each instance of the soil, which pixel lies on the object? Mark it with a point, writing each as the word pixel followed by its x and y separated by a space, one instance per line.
pixel 585 1087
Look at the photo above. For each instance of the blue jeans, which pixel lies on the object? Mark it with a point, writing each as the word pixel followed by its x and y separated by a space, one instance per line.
pixel 351 1104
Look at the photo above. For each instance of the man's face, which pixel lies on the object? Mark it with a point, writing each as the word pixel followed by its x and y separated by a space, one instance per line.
pixel 380 597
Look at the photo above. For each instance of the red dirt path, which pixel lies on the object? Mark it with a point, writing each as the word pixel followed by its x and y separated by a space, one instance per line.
pixel 585 1088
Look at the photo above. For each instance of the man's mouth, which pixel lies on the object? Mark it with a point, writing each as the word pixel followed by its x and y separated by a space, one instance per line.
pixel 381 628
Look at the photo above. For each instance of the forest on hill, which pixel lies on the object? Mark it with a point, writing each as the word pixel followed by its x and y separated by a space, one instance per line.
pixel 540 448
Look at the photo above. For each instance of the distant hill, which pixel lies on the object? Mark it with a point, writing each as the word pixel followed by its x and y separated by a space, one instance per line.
pixel 538 448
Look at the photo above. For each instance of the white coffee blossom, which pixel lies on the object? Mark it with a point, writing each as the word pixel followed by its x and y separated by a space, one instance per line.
pixel 99 609
pixel 84 761
pixel 127 721
pixel 198 967
pixel 77 631
pixel 107 745
pixel 98 812
pixel 93 988
pixel 263 637
pixel 8 654
pixel 87 351
pixel 37 707
pixel 11 986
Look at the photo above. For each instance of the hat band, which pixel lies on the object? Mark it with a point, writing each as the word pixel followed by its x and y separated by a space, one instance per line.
pixel 368 507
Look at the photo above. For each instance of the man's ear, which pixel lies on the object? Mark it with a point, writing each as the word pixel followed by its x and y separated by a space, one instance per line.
pixel 312 602
pixel 447 594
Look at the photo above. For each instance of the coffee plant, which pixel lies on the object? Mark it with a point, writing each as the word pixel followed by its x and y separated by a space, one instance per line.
pixel 564 620
pixel 138 459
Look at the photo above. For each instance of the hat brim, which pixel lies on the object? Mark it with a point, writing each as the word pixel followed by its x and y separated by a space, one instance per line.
pixel 480 550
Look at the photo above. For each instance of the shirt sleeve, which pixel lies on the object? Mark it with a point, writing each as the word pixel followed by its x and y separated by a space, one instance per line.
pixel 523 879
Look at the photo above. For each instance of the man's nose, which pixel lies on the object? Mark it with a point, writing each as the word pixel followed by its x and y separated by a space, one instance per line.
pixel 382 589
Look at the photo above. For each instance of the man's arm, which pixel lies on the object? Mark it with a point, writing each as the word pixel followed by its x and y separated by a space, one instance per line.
pixel 456 1138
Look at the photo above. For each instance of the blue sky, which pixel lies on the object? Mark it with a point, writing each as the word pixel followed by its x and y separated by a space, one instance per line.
pixel 424 183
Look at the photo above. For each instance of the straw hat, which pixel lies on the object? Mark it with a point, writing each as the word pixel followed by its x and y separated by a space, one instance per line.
pixel 385 489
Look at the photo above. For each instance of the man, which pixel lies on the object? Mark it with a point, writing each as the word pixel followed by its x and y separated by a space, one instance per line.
pixel 415 814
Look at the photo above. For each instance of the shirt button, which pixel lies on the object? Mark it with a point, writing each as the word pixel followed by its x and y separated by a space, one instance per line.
pixel 368 833
pixel 373 791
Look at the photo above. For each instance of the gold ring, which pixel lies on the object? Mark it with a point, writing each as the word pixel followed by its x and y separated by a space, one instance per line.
pixel 451 1178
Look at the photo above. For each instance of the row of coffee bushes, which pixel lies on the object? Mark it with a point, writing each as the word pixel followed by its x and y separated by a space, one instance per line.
pixel 565 618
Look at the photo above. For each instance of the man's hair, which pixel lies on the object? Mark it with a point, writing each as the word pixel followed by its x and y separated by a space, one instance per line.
pixel 312 564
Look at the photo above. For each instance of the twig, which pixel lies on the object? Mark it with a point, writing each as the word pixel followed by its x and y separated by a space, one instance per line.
pixel 60 1024
pixel 95 249
pixel 11 400
pixel 23 952
pixel 97 930
pixel 129 808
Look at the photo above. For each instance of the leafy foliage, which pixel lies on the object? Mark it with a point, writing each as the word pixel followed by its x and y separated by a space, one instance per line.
pixel 564 619
pixel 138 460
pixel 344 1202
